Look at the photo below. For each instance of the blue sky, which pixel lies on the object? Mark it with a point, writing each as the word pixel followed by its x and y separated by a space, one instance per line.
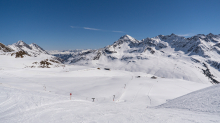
pixel 82 24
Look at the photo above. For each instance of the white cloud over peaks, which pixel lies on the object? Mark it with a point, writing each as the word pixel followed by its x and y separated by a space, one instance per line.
pixel 186 35
pixel 74 27
pixel 91 28
pixel 94 29
pixel 118 31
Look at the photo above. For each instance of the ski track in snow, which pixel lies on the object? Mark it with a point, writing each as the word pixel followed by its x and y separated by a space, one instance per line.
pixel 149 93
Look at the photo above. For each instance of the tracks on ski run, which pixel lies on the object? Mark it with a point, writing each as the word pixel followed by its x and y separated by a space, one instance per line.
pixel 142 86
pixel 149 93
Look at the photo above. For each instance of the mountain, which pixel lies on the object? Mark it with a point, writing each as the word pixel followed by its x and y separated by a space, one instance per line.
pixel 64 54
pixel 32 49
pixel 52 52
pixel 22 55
pixel 171 56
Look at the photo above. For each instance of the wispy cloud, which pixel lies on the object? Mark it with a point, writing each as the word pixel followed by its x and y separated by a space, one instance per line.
pixel 119 31
pixel 91 28
pixel 94 29
pixel 186 35
pixel 74 27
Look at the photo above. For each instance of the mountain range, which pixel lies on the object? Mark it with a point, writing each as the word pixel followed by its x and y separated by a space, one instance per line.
pixel 169 56
pixel 32 49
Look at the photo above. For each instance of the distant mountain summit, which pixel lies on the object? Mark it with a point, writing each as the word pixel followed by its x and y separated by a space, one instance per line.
pixel 21 43
pixel 37 48
pixel 32 49
pixel 128 38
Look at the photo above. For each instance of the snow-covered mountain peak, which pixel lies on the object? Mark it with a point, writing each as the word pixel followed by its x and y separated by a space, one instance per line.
pixel 128 38
pixel 210 34
pixel 173 34
pixel 32 49
pixel 37 48
pixel 33 45
pixel 200 36
pixel 20 42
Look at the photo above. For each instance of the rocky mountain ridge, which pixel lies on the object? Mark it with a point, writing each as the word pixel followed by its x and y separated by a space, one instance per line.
pixel 202 45
pixel 133 54
pixel 4 48
pixel 32 49
pixel 32 56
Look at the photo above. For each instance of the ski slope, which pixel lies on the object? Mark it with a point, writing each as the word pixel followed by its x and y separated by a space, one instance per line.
pixel 43 95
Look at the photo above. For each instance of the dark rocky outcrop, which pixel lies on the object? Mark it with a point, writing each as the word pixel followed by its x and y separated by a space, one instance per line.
pixel 5 48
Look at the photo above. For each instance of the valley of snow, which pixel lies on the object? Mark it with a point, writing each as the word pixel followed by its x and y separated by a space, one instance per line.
pixel 33 95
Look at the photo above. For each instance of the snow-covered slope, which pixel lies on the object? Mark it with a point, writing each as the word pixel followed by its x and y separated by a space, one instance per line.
pixel 43 95
pixel 32 49
pixel 205 100
pixel 172 56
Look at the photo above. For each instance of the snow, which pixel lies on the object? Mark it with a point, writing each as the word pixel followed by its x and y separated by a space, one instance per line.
pixel 10 62
pixel 205 100
pixel 42 95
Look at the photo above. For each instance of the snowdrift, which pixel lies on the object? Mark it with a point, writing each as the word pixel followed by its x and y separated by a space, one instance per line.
pixel 205 100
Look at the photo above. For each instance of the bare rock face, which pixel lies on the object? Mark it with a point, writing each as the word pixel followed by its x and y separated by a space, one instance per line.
pixel 20 54
pixel 5 48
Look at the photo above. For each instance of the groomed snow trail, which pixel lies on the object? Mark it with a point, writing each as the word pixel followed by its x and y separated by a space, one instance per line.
pixel 86 111
pixel 24 100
